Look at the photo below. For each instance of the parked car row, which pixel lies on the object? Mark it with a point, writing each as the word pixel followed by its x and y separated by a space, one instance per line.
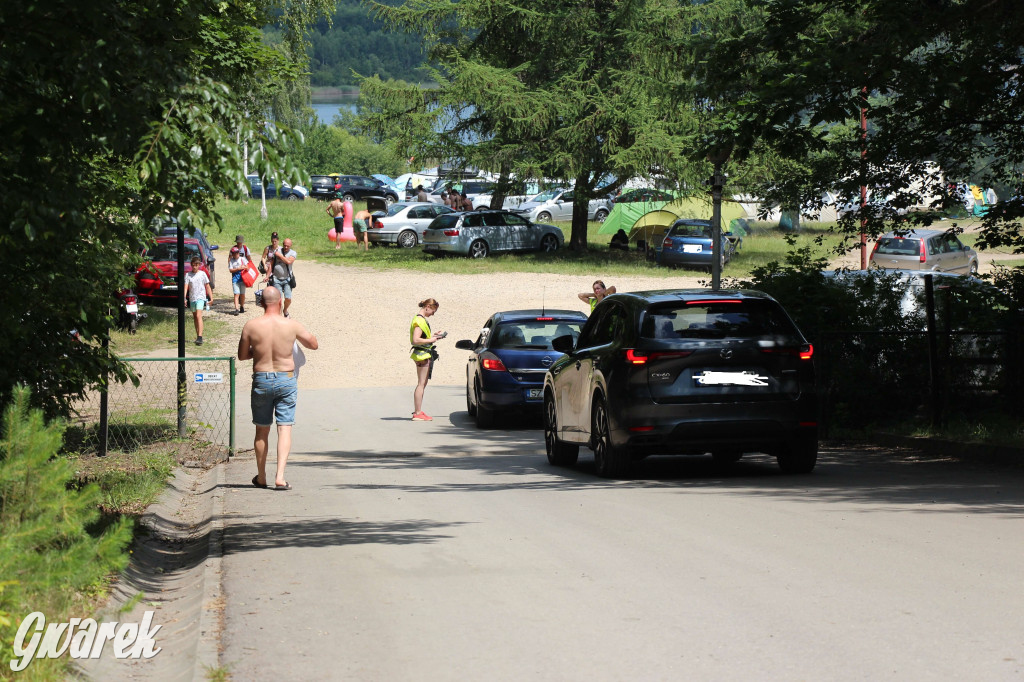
pixel 351 187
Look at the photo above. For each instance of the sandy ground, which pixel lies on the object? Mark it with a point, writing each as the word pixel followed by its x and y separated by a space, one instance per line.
pixel 361 316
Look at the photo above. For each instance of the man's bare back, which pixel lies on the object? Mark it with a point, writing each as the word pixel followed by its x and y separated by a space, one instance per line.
pixel 268 340
pixel 335 208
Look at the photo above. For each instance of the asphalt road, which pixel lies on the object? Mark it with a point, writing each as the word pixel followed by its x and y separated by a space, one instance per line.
pixel 432 551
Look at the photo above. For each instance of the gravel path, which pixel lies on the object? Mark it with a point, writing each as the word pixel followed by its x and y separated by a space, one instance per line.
pixel 361 317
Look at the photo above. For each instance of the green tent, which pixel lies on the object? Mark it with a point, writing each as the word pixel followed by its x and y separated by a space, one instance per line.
pixel 649 220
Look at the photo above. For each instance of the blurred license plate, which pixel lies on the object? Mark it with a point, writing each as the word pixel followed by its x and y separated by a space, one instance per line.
pixel 170 287
pixel 692 248
pixel 535 393
pixel 132 307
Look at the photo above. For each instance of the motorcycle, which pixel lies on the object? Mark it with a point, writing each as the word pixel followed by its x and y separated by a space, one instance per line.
pixel 129 316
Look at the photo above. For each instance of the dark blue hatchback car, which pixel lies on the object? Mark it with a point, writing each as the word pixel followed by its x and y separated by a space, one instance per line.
pixel 505 371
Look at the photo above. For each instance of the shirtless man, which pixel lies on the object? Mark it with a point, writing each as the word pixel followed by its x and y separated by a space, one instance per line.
pixel 361 227
pixel 336 209
pixel 268 341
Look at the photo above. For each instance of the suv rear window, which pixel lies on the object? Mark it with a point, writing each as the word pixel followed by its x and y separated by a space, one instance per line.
pixel 719 320
pixel 899 246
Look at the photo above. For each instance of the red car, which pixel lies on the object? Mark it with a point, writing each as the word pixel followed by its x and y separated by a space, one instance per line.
pixel 156 280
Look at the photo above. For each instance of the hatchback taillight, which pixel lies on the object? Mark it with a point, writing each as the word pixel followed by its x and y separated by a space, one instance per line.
pixel 451 233
pixel 493 364
pixel 806 351
pixel 924 256
pixel 667 243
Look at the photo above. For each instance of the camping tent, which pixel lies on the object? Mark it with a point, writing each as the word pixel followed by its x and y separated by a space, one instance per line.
pixel 650 220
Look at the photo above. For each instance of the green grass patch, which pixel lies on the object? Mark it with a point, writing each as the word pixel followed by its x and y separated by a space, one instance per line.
pixel 159 331
pixel 306 223
pixel 129 481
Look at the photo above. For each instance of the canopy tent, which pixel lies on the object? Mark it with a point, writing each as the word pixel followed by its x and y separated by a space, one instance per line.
pixel 650 220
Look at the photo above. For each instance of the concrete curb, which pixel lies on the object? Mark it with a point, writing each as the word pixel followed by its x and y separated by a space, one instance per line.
pixel 175 565
pixel 211 619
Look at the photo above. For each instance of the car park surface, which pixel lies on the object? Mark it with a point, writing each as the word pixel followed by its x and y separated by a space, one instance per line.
pixel 507 362
pixel 404 223
pixel 688 243
pixel 156 279
pixel 686 371
pixel 937 250
pixel 479 233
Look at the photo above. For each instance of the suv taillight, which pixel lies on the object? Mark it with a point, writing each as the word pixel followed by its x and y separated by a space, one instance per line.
pixel 805 352
pixel 924 256
pixel 642 357
pixel 451 233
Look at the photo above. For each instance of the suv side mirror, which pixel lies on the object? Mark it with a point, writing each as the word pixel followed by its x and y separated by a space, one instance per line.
pixel 562 344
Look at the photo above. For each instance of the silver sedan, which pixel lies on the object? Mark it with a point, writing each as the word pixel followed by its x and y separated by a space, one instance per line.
pixel 479 233
pixel 404 223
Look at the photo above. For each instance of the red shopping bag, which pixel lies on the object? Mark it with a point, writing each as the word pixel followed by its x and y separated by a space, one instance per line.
pixel 250 274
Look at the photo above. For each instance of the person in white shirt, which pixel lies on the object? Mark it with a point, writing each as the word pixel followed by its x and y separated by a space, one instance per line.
pixel 237 264
pixel 198 294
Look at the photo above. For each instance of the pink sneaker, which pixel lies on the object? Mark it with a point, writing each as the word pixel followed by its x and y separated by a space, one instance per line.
pixel 422 416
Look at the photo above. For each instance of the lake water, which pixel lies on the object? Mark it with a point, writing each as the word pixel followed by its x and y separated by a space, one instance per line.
pixel 326 111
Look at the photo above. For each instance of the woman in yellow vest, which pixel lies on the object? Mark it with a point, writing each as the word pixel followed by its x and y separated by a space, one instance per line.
pixel 423 354
pixel 599 293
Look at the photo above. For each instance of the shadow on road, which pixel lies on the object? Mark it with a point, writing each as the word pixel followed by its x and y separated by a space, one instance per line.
pixel 512 457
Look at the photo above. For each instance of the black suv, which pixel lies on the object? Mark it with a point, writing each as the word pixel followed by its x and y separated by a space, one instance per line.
pixel 355 187
pixel 683 372
pixel 323 187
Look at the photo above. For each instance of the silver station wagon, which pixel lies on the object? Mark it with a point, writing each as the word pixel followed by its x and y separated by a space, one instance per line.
pixel 480 233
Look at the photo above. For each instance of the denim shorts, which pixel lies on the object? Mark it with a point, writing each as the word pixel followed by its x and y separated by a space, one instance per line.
pixel 273 396
pixel 282 286
pixel 238 287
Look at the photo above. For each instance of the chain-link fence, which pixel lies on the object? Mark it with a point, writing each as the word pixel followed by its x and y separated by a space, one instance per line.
pixel 185 402
pixel 921 377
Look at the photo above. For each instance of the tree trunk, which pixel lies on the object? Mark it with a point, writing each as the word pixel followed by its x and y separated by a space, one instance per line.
pixel 501 189
pixel 580 204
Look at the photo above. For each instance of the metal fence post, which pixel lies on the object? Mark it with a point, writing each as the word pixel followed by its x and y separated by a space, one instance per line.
pixel 231 428
pixel 105 399
pixel 933 359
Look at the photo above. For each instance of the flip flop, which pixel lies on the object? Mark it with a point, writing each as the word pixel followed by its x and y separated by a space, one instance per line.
pixel 256 482
pixel 286 486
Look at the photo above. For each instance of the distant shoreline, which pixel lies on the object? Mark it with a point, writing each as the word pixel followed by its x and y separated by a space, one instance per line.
pixel 335 93
pixel 340 93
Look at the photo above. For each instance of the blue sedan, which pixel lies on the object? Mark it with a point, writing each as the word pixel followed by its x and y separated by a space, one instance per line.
pixel 505 372
pixel 688 244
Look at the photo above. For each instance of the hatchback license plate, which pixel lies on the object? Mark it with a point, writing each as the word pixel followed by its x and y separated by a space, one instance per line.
pixel 534 393
pixel 692 248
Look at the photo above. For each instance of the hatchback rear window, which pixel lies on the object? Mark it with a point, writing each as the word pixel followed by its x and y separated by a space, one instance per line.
pixel 717 320
pixel 169 252
pixel 534 334
pixel 690 231
pixel 898 246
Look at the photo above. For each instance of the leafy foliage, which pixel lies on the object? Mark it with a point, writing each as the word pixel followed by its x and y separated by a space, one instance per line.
pixel 49 551
pixel 114 115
